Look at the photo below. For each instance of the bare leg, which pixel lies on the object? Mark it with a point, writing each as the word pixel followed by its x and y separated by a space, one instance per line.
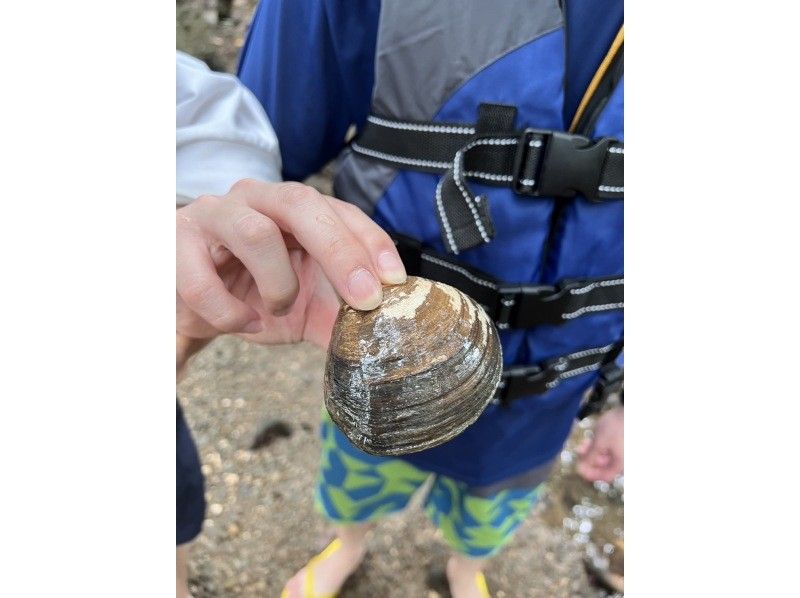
pixel 181 572
pixel 461 572
pixel 331 573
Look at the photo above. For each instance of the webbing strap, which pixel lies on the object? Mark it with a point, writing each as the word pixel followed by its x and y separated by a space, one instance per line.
pixel 611 381
pixel 509 305
pixel 522 381
pixel 533 162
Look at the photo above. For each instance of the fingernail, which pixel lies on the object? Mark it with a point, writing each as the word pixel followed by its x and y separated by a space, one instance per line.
pixel 364 289
pixel 253 327
pixel 391 268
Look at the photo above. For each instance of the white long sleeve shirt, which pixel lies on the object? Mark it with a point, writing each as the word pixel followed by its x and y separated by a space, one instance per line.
pixel 222 133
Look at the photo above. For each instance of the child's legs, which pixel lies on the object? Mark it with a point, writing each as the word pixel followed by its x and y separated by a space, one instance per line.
pixel 353 489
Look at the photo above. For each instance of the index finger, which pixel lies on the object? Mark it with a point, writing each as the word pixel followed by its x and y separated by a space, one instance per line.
pixel 304 212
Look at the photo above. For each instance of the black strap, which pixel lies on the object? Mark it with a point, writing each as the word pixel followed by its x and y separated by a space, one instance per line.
pixel 514 306
pixel 522 381
pixel 533 162
pixel 611 380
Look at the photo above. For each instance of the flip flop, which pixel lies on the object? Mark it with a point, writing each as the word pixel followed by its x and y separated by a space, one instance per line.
pixel 308 586
pixel 480 581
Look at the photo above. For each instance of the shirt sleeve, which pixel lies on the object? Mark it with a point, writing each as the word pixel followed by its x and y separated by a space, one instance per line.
pixel 311 65
pixel 222 133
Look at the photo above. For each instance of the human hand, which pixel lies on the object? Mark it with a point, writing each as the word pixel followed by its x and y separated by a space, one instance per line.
pixel 602 456
pixel 267 260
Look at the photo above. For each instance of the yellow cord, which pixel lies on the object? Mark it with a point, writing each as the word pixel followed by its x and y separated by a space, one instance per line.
pixel 601 70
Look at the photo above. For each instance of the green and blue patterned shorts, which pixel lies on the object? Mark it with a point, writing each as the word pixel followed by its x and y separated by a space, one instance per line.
pixel 355 487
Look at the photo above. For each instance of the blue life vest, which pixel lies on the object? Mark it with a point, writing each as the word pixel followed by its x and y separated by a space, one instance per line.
pixel 319 67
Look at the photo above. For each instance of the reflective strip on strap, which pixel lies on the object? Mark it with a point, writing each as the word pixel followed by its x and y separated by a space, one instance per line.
pixel 521 381
pixel 432 147
pixel 514 306
pixel 533 162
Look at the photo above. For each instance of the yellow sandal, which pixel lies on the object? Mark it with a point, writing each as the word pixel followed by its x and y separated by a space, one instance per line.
pixel 308 586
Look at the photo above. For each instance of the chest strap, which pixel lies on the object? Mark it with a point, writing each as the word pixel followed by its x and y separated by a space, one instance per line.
pixel 533 162
pixel 509 305
pixel 522 381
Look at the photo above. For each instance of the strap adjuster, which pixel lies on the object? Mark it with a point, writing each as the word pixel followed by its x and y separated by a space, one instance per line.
pixel 507 306
pixel 526 140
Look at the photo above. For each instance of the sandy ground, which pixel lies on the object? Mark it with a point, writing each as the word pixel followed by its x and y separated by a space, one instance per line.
pixel 261 525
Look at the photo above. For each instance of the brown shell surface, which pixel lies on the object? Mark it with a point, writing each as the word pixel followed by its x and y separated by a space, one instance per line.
pixel 413 373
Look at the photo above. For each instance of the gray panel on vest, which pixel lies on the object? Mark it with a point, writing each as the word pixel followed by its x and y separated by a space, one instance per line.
pixel 425 51
pixel 361 181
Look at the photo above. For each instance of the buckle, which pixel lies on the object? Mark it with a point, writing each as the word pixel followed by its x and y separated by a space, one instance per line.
pixel 570 164
pixel 522 381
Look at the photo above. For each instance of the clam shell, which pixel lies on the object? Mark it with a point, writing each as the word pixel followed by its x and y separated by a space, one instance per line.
pixel 413 373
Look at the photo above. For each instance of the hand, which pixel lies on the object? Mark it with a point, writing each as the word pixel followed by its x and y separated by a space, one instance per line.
pixel 602 456
pixel 269 261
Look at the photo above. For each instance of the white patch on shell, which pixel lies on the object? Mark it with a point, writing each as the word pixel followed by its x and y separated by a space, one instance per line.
pixel 454 296
pixel 405 305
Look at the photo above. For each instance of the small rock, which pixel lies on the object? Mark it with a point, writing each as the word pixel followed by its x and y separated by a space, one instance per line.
pixel 215 508
pixel 269 432
pixel 242 456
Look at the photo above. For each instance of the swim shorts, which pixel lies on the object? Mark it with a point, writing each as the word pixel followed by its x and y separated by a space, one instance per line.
pixel 355 487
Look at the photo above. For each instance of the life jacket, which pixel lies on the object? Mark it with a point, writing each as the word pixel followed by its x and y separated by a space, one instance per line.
pixel 506 118
pixel 494 154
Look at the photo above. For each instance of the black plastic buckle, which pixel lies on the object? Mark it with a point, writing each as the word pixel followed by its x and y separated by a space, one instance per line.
pixel 570 164
pixel 540 305
pixel 521 381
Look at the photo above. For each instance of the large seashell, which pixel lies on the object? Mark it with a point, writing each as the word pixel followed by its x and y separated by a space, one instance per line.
pixel 413 373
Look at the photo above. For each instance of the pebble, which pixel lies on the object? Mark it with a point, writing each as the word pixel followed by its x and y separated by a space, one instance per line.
pixel 215 508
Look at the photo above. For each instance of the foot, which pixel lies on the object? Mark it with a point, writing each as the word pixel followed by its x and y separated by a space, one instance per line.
pixel 465 579
pixel 330 573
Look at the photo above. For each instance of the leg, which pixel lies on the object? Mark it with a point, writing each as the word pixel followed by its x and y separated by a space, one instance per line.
pixel 353 490
pixel 465 577
pixel 334 566
pixel 181 572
